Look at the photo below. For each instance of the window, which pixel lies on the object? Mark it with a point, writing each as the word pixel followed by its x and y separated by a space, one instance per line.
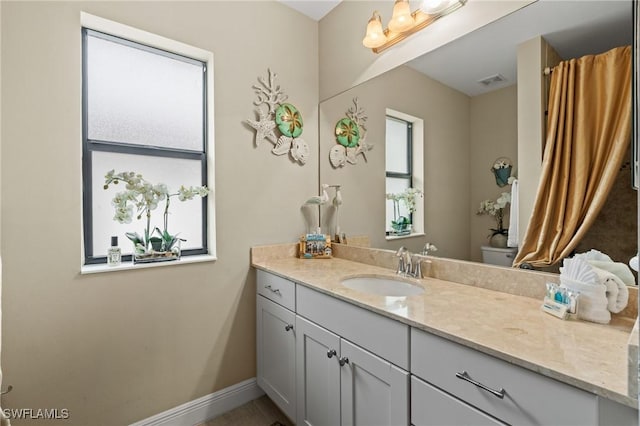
pixel 403 155
pixel 144 110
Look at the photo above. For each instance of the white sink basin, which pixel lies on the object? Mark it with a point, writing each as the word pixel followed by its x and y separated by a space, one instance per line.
pixel 383 286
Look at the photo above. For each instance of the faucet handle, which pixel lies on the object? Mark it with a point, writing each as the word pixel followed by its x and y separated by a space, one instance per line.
pixel 416 272
pixel 401 251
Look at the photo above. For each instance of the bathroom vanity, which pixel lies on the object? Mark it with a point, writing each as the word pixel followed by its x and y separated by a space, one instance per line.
pixel 455 354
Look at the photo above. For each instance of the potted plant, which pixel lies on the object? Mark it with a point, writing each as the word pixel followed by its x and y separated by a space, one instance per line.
pixel 155 244
pixel 498 235
pixel 401 225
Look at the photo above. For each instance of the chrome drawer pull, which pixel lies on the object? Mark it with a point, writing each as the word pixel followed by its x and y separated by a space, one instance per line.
pixel 331 353
pixel 288 327
pixel 343 360
pixel 276 291
pixel 464 376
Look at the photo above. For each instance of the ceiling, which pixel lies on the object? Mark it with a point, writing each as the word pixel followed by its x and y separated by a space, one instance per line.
pixel 573 28
pixel 314 9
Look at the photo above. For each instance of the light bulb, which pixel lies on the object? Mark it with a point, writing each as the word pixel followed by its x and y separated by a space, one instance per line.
pixel 401 20
pixel 434 7
pixel 375 36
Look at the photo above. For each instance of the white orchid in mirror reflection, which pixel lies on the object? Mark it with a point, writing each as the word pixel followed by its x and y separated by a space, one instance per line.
pixel 144 197
pixel 496 209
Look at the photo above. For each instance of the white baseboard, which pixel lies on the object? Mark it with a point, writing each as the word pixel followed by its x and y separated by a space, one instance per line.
pixel 207 407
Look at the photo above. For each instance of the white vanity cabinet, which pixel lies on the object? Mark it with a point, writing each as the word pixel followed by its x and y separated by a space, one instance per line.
pixel 276 341
pixel 340 383
pixel 333 363
pixel 471 384
pixel 349 362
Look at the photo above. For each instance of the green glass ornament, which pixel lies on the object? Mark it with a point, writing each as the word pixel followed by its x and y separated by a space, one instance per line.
pixel 289 120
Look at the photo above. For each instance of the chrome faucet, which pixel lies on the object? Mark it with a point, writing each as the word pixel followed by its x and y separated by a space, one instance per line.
pixel 403 255
pixel 408 263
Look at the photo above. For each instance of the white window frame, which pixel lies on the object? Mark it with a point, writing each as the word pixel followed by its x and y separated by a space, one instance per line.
pixel 417 171
pixel 139 36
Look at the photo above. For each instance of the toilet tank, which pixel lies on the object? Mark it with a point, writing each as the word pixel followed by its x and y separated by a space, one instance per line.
pixel 498 256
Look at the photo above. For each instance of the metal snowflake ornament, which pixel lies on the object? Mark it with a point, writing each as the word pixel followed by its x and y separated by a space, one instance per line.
pixel 278 118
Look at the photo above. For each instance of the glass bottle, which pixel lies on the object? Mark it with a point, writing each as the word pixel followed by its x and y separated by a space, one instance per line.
pixel 114 254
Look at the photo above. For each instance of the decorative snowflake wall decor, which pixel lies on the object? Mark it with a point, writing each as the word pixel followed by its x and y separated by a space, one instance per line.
pixel 351 135
pixel 280 117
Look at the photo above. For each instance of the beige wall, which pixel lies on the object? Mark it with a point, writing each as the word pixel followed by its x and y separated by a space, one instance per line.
pixel 493 134
pixel 350 64
pixel 117 347
pixel 445 112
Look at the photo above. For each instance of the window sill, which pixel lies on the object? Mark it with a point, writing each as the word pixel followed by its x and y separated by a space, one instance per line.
pixel 400 237
pixel 125 266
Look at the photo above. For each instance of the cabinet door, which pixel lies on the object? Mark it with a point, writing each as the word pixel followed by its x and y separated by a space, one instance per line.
pixel 374 392
pixel 432 407
pixel 276 345
pixel 317 375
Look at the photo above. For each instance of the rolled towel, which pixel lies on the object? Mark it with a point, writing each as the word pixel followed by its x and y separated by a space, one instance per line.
pixel 617 292
pixel 619 269
pixel 592 304
pixel 593 254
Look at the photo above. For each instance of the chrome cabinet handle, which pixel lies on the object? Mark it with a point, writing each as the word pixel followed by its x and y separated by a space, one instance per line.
pixel 343 360
pixel 331 353
pixel 273 290
pixel 465 376
pixel 288 327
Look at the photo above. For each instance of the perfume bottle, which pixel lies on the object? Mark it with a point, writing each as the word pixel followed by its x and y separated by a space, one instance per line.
pixel 114 254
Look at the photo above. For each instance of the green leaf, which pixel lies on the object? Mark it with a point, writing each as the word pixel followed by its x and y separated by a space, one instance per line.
pixel 134 237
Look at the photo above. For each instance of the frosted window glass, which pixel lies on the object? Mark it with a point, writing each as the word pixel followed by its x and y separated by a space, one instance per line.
pixel 140 97
pixel 396 146
pixel 396 186
pixel 185 217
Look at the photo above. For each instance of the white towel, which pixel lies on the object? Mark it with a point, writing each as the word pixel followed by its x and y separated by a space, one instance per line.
pixel 617 293
pixel 593 254
pixel 512 240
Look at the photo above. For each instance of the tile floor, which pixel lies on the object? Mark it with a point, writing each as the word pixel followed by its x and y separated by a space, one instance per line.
pixel 259 412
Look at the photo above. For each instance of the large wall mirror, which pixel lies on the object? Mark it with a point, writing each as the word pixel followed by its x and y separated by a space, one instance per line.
pixel 467 124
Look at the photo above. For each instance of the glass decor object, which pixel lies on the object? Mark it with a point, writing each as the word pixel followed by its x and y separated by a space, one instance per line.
pixel 347 133
pixel 289 120
pixel 114 254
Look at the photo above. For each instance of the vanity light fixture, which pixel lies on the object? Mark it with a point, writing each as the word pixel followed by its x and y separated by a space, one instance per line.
pixel 403 22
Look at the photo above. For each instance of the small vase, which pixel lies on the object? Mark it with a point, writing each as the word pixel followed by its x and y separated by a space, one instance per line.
pixel 498 241
pixel 502 176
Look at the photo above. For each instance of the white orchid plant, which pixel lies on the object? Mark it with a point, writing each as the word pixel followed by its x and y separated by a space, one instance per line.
pixel 408 197
pixel 496 209
pixel 144 197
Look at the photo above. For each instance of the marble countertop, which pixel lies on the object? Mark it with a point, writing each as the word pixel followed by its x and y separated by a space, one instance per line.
pixel 590 356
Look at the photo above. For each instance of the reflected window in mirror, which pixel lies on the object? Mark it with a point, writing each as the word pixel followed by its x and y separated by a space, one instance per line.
pixel 404 171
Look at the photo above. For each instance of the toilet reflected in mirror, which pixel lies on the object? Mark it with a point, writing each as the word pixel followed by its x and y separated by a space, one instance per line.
pixel 498 256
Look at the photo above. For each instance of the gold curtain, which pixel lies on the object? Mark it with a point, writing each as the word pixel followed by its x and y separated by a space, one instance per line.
pixel 588 134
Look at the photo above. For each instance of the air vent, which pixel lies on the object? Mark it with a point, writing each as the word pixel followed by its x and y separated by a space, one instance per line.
pixel 491 80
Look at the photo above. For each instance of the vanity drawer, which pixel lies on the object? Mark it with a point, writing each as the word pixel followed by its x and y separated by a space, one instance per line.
pixel 387 338
pixel 278 289
pixel 432 407
pixel 529 398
